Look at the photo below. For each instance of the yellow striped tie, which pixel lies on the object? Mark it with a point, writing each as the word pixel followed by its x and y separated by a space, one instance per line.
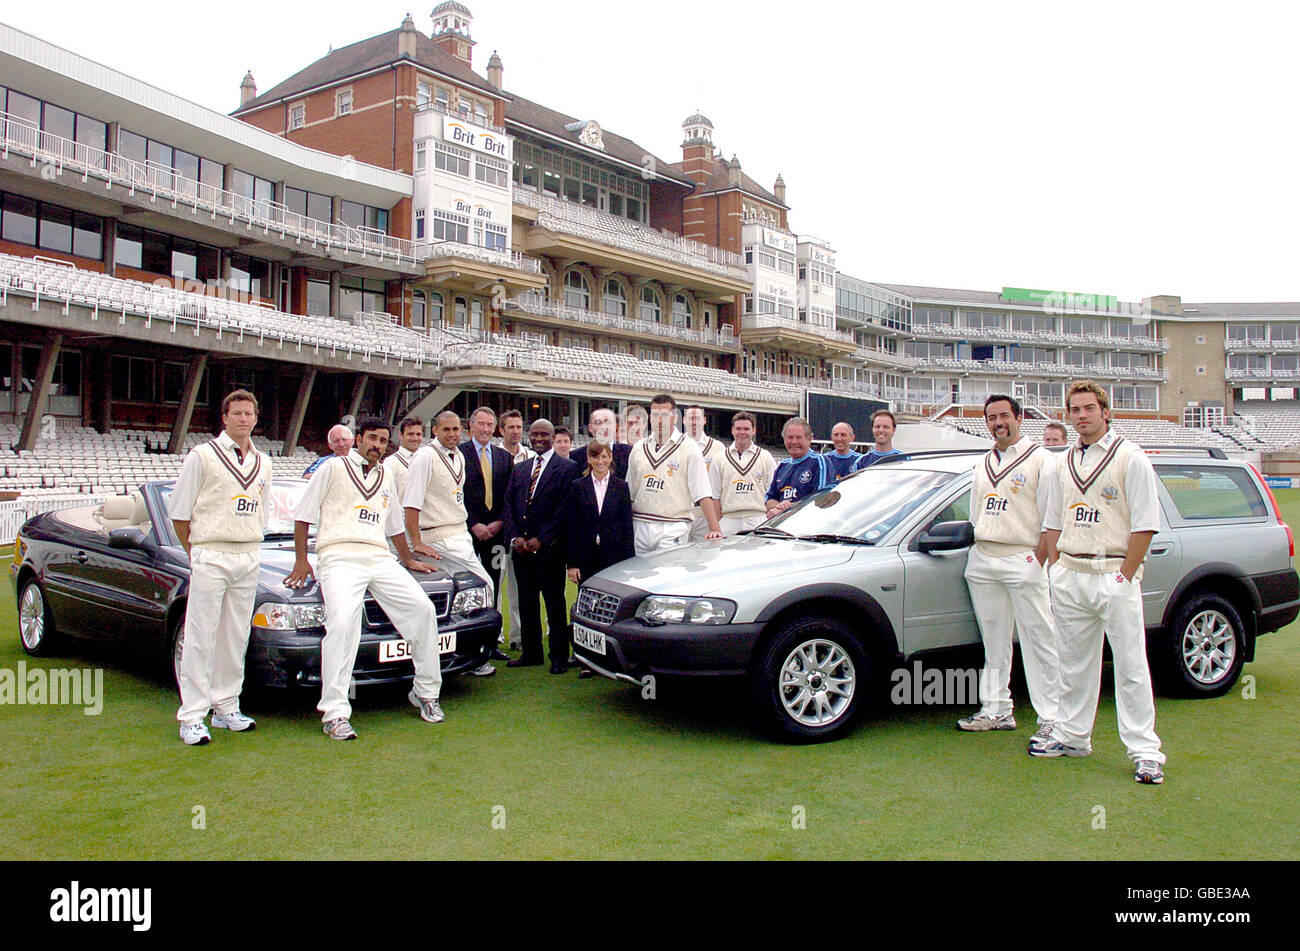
pixel 486 462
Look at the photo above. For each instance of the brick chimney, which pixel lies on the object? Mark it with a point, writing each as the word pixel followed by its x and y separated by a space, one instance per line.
pixel 733 171
pixel 408 38
pixel 495 70
pixel 247 90
pixel 779 189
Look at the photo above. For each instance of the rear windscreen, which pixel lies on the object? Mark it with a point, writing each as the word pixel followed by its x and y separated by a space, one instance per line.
pixel 1202 492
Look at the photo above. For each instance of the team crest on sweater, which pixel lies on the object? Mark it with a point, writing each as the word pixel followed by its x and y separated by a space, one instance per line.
pixel 1018 482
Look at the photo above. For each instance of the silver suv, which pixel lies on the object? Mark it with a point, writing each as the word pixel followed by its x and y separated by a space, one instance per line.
pixel 818 605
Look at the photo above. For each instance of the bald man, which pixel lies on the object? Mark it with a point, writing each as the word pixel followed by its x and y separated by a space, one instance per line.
pixel 339 439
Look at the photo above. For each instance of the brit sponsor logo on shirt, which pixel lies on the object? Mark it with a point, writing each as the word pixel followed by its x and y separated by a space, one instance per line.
pixel 741 487
pixel 367 516
pixel 994 504
pixel 1085 515
pixel 245 506
pixel 789 493
pixel 654 483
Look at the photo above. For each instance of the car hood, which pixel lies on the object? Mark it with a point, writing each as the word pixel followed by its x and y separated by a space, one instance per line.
pixel 716 567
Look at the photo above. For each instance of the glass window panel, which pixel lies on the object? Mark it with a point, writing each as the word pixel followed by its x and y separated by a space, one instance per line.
pixel 91 132
pixel 349 301
pixel 211 173
pixel 59 121
pixel 572 189
pixel 56 229
pixel 131 146
pixel 157 256
pixel 318 298
pixel 241 183
pixel 353 214
pixel 295 199
pixel 319 207
pixel 185 260
pixel 159 154
pixel 19 221
pixel 209 264
pixel 25 107
pixel 87 237
pixel 128 249
pixel 263 190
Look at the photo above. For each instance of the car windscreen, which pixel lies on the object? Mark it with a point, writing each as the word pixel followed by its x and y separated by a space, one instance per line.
pixel 867 506
pixel 282 497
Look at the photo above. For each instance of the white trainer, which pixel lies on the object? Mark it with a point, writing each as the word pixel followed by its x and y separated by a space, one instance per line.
pixel 234 721
pixel 194 733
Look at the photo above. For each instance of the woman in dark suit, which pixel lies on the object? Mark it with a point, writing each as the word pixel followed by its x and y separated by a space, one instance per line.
pixel 600 518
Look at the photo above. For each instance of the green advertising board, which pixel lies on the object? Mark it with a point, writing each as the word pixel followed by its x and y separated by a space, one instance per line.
pixel 1062 299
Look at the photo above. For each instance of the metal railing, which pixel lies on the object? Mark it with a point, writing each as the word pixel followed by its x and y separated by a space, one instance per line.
pixel 586 222
pixel 1036 337
pixel 159 182
pixel 1232 345
pixel 715 338
pixel 472 118
pixel 765 321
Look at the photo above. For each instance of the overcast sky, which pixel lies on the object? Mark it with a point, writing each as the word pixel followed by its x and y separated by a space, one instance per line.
pixel 1123 148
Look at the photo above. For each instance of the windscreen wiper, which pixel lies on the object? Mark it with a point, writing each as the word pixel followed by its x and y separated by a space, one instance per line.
pixel 841 539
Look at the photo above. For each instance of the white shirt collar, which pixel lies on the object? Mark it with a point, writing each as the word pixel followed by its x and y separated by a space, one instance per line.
pixel 674 437
pixel 752 447
pixel 1017 448
pixel 1104 443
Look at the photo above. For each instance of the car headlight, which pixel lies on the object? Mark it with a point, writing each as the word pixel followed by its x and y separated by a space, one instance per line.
pixel 274 616
pixel 665 610
pixel 470 599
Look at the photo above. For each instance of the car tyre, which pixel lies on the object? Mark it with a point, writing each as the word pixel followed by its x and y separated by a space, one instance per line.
pixel 1202 652
pixel 808 680
pixel 36 628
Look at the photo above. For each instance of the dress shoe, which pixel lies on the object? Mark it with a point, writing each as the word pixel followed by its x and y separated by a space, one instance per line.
pixel 499 654
pixel 559 668
pixel 523 662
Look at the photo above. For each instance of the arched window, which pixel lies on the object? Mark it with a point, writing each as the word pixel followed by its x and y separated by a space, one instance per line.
pixel 681 311
pixel 476 315
pixel 435 310
pixel 577 293
pixel 423 94
pixel 650 309
pixel 462 313
pixel 441 98
pixel 615 300
pixel 419 310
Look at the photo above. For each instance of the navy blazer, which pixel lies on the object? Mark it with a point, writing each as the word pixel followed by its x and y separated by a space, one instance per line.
pixel 622 453
pixel 543 516
pixel 476 511
pixel 613 525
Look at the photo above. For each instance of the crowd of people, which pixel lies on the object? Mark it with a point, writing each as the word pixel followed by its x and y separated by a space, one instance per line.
pixel 531 518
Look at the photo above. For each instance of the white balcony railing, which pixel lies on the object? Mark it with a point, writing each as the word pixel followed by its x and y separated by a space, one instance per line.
pixel 1016 368
pixel 1039 337
pixel 499 258
pixel 481 121
pixel 21 136
pixel 716 338
pixel 1263 375
pixel 571 218
pixel 1236 346
pixel 768 321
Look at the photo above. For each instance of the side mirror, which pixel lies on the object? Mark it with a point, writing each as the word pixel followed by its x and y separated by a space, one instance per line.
pixel 131 538
pixel 947 536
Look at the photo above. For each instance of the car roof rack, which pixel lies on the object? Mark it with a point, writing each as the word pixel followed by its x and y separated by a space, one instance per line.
pixel 1214 452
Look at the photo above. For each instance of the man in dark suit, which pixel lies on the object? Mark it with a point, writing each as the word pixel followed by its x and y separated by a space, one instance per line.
pixel 603 425
pixel 535 526
pixel 485 496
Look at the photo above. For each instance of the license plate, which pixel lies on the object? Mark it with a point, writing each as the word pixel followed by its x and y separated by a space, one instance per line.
pixel 400 648
pixel 588 639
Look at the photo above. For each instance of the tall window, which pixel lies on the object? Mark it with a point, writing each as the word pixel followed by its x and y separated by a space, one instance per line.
pixel 615 300
pixel 419 310
pixel 681 311
pixel 577 293
pixel 435 310
pixel 423 95
pixel 462 312
pixel 297 116
pixel 650 309
pixel 343 102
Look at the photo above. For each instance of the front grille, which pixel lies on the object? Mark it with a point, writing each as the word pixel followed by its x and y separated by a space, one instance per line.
pixel 375 616
pixel 598 606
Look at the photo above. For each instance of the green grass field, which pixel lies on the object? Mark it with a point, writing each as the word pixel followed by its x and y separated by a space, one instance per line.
pixel 533 766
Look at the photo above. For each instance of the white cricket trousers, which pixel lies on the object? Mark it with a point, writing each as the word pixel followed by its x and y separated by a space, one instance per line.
pixel 1006 591
pixel 730 524
pixel 1088 607
pixel 512 593
pixel 458 554
pixel 218 619
pixel 650 537
pixel 344 580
